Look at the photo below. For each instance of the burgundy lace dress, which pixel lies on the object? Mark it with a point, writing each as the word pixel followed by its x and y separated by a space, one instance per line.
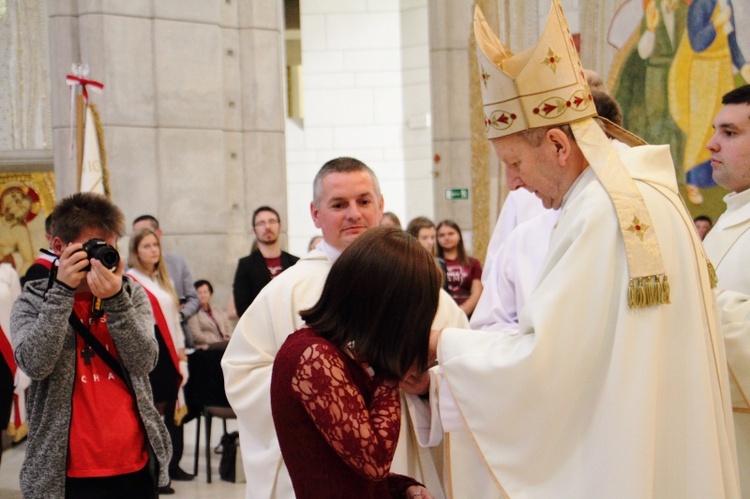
pixel 337 426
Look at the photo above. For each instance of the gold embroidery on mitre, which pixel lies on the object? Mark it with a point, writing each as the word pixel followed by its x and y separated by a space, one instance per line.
pixel 551 60
pixel 638 228
pixel 485 75
pixel 554 107
pixel 499 120
pixel 542 86
pixel 518 84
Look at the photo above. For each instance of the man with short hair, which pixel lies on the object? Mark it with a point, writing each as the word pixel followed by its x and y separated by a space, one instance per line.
pixel 86 339
pixel 615 381
pixel 703 225
pixel 519 243
pixel 189 305
pixel 728 246
pixel 263 264
pixel 346 203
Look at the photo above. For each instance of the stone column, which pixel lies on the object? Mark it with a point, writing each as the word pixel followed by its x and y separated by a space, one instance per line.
pixel 193 116
pixel 450 24
pixel 462 154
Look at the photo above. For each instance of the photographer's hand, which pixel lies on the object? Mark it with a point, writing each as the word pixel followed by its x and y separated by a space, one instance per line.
pixel 103 282
pixel 73 261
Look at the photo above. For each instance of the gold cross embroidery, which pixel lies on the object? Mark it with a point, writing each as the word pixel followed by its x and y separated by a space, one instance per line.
pixel 638 228
pixel 485 76
pixel 551 60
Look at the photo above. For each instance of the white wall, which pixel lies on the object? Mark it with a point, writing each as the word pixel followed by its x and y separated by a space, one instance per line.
pixel 365 68
pixel 572 10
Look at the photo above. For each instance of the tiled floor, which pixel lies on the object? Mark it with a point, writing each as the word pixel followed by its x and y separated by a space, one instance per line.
pixel 12 458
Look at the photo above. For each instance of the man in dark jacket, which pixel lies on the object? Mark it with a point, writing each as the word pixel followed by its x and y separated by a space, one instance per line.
pixel 264 263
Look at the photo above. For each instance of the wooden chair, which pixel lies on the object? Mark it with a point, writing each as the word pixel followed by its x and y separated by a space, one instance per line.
pixel 209 412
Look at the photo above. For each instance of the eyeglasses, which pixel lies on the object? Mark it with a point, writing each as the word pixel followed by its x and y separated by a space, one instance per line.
pixel 269 223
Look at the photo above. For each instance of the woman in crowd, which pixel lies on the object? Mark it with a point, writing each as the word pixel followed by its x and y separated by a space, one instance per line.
pixel 464 272
pixel 390 219
pixel 147 267
pixel 314 241
pixel 424 230
pixel 334 388
pixel 210 325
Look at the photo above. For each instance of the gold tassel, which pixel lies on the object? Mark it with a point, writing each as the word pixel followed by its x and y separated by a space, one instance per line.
pixel 102 148
pixel 179 414
pixel 712 277
pixel 648 291
pixel 17 433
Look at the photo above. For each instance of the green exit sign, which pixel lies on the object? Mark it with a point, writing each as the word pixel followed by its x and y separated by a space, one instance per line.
pixel 452 194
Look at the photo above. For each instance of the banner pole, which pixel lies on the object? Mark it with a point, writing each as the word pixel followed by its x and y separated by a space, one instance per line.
pixel 79 139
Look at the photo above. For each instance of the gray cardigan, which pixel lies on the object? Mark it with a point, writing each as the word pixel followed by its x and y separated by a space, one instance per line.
pixel 44 346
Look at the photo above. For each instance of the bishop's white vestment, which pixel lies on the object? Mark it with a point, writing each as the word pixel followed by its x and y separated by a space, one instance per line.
pixel 594 399
pixel 511 274
pixel 728 248
pixel 248 362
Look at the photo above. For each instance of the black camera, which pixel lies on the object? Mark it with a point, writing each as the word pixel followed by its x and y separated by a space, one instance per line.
pixel 99 249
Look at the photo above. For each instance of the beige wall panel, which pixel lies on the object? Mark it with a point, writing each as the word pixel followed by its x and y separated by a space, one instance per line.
pixel 265 172
pixel 139 8
pixel 262 73
pixel 66 181
pixel 192 181
pixel 200 11
pixel 232 79
pixel 128 76
pixel 63 50
pixel 61 7
pixel 133 174
pixel 207 257
pixel 189 83
pixel 237 221
pixel 264 14
pixel 453 171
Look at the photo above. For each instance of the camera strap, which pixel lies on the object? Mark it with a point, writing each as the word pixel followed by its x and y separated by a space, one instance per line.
pixel 114 364
pixel 98 348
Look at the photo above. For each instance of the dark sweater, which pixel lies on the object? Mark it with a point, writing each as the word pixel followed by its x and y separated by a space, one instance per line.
pixel 252 275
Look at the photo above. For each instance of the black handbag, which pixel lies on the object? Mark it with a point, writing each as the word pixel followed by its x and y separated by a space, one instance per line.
pixel 229 449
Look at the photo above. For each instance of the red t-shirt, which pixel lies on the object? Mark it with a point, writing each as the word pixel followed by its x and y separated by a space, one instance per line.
pixel 105 437
pixel 460 277
pixel 274 266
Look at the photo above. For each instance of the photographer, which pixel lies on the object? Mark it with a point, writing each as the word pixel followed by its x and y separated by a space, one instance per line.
pixel 85 337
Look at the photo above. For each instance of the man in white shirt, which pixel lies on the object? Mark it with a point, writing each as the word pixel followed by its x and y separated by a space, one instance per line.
pixel 346 202
pixel 728 247
pixel 616 383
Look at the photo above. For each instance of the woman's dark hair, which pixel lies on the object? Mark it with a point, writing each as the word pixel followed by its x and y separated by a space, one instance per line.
pixel 463 258
pixel 203 282
pixel 380 299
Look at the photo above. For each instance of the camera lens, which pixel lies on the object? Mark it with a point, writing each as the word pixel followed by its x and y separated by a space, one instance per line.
pixel 99 249
pixel 108 256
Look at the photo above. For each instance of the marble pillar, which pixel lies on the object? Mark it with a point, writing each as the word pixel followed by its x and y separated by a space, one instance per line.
pixel 193 112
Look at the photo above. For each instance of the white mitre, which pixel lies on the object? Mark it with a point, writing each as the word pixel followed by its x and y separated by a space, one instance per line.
pixel 546 86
